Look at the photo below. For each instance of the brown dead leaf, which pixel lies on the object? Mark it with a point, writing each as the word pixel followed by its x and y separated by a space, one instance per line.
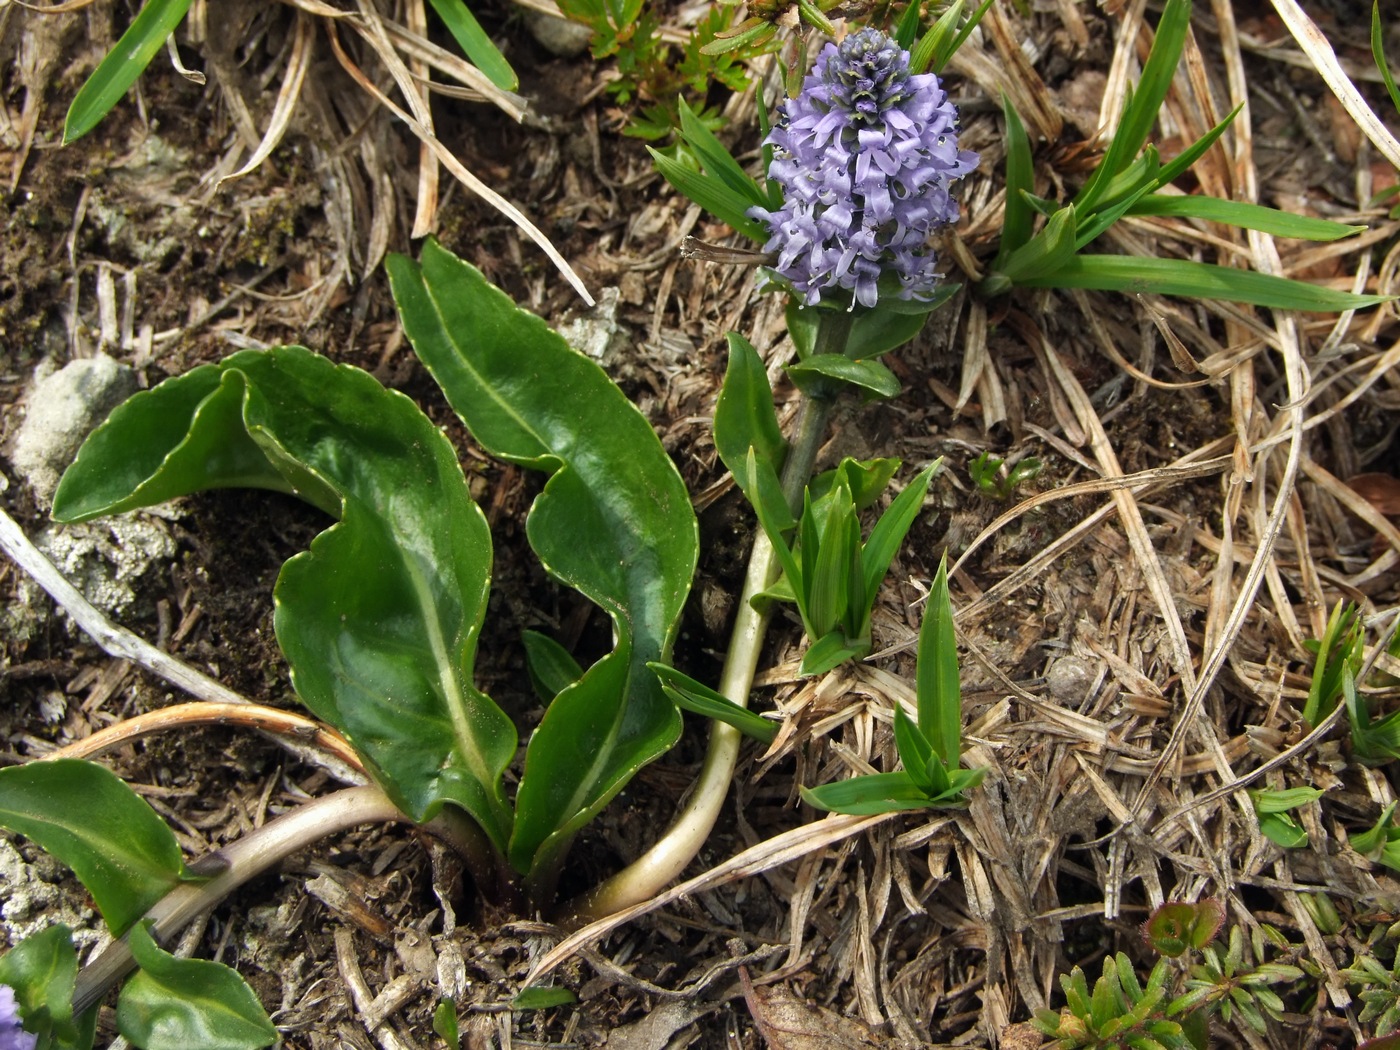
pixel 1381 491
pixel 789 1023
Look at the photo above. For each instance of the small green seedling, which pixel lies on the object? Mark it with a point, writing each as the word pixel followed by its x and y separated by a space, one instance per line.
pixel 1121 1013
pixel 1272 808
pixel 1338 655
pixel 988 474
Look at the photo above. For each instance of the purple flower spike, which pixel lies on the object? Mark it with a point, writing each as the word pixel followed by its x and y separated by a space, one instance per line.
pixel 12 1036
pixel 865 156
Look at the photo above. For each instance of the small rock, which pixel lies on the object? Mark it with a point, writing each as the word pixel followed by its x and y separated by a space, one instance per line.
pixel 60 412
pixel 558 36
pixel 104 559
pixel 1070 678
pixel 598 333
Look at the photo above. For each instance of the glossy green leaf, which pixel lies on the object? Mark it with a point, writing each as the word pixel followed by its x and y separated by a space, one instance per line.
pixel 1140 113
pixel 803 322
pixel 43 970
pixel 122 65
pixel 828 571
pixel 771 506
pixel 744 414
pixel 876 332
pixel 700 699
pixel 614 521
pixel 937 682
pixel 889 532
pixel 865 479
pixel 1249 216
pixel 474 42
pixel 1020 179
pixel 88 818
pixel 1193 280
pixel 379 619
pixel 870 377
pixel 177 1004
pixel 552 668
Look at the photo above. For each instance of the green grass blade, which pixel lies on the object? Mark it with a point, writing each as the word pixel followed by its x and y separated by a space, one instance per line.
pixel 700 699
pixel 1141 112
pixel 907 29
pixel 925 52
pixel 1250 216
pixel 122 66
pixel 717 160
pixel 1047 253
pixel 479 47
pixel 893 526
pixel 946 52
pixel 711 193
pixel 1193 280
pixel 1378 53
pixel 1020 175
pixel 1194 152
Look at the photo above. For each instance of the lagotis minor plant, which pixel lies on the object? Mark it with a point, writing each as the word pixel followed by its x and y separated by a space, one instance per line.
pixel 865 157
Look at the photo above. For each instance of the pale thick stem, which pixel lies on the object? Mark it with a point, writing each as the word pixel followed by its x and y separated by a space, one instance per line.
pixel 247 858
pixel 668 857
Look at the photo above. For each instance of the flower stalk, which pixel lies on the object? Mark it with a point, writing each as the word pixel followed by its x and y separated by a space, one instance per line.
pixel 248 857
pixel 668 857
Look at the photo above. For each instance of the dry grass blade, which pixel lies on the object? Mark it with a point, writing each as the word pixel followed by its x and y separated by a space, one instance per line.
pixel 1179 471
pixel 1317 47
pixel 270 720
pixel 425 214
pixel 1128 513
pixel 778 850
pixel 287 97
pixel 451 163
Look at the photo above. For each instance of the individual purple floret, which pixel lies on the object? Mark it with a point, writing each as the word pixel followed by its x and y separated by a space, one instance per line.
pixel 865 156
pixel 12 1036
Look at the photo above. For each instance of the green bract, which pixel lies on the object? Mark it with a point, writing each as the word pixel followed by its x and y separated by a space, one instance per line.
pixel 929 748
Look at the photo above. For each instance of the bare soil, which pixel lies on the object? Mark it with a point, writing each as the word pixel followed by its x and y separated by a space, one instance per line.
pixel 1087 617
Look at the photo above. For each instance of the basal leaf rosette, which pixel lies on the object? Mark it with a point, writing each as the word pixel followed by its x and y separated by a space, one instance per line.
pixel 866 156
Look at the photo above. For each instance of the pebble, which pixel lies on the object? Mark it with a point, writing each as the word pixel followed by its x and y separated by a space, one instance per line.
pixel 60 411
